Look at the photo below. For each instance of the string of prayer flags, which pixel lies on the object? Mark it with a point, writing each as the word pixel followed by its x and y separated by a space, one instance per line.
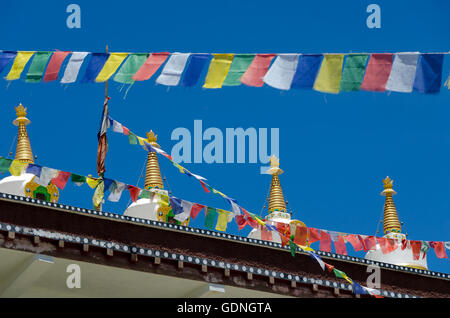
pixel 307 69
pixel 218 70
pixel 94 67
pixel 5 58
pixel 61 179
pixel 53 67
pixel 377 72
pixel 111 66
pixel 37 67
pixel 329 77
pixel 353 73
pixel 172 71
pixel 282 71
pixel 19 64
pixel 17 167
pixel 194 69
pixel 429 73
pixel 73 67
pixel 257 69
pixel 210 217
pixel 150 66
pixel 403 73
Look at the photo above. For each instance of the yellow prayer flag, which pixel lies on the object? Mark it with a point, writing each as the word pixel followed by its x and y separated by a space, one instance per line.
pixel 218 70
pixel 141 140
pixel 92 182
pixel 112 64
pixel 222 220
pixel 17 167
pixel 305 248
pixel 259 221
pixel 98 194
pixel 330 73
pixel 20 61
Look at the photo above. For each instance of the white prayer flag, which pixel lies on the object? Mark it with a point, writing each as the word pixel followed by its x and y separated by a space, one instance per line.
pixel 47 174
pixel 282 71
pixel 403 73
pixel 117 127
pixel 187 207
pixel 116 191
pixel 171 73
pixel 73 67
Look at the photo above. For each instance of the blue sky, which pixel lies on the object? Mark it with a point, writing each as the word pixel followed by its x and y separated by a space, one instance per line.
pixel 335 149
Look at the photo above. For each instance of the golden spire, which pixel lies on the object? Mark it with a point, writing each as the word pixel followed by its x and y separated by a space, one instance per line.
pixel 152 174
pixel 276 198
pixel 23 150
pixel 390 219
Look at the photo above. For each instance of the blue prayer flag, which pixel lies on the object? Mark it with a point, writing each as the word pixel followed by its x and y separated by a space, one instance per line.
pixel 358 290
pixel 5 57
pixel 429 73
pixel 175 203
pixel 34 169
pixel 307 69
pixel 94 67
pixel 194 69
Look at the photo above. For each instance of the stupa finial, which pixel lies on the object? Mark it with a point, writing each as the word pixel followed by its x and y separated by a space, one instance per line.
pixel 153 174
pixel 23 150
pixel 390 219
pixel 276 198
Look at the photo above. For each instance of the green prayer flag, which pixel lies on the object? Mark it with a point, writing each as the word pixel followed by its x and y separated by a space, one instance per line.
pixel 292 246
pixel 210 218
pixel 5 164
pixel 132 139
pixel 130 67
pixel 353 73
pixel 77 178
pixel 37 67
pixel 339 273
pixel 145 194
pixel 238 67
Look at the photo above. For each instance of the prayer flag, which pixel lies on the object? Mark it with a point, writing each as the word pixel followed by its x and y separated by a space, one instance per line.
pixel 150 66
pixel 234 206
pixel 307 69
pixel 223 219
pixel 172 71
pixel 218 70
pixel 176 206
pixel 186 207
pixel 354 241
pixel 92 182
pixel 439 249
pixel 194 69
pixel 97 199
pixel 429 73
pixel 47 174
pixel 51 74
pixel 353 73
pixel 34 169
pixel 5 58
pixel 317 259
pixel 129 68
pixel 196 208
pixel 73 67
pixel 370 243
pixel 282 71
pixel 339 245
pixel 94 67
pixel 61 179
pixel 265 234
pixel 37 67
pixel 19 64
pixel 325 241
pixel 134 192
pixel 292 247
pixel 111 66
pixel 403 73
pixel 210 218
pixel 238 67
pixel 116 190
pixel 257 69
pixel 313 235
pixel 241 221
pixel 357 289
pixel 329 267
pixel 415 247
pixel 387 245
pixel 132 139
pixel 17 167
pixel 377 72
pixel 301 233
pixel 329 78
pixel 77 179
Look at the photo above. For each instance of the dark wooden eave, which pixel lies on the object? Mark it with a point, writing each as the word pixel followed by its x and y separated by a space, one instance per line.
pixel 178 251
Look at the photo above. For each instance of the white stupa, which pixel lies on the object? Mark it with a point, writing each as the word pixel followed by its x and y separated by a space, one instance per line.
pixel 24 184
pixel 150 208
pixel 277 205
pixel 392 230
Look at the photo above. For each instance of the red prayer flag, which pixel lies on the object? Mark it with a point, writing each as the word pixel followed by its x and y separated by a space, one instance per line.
pixel 61 179
pixel 370 243
pixel 339 246
pixel 301 232
pixel 385 245
pixel 439 249
pixel 126 131
pixel 354 241
pixel 377 72
pixel 325 241
pixel 313 235
pixel 265 235
pixel 404 244
pixel 257 69
pixel 150 66
pixel 284 229
pixel 284 239
pixel 241 221
pixel 329 267
pixel 196 208
pixel 134 192
pixel 51 74
pixel 415 246
pixel 204 186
